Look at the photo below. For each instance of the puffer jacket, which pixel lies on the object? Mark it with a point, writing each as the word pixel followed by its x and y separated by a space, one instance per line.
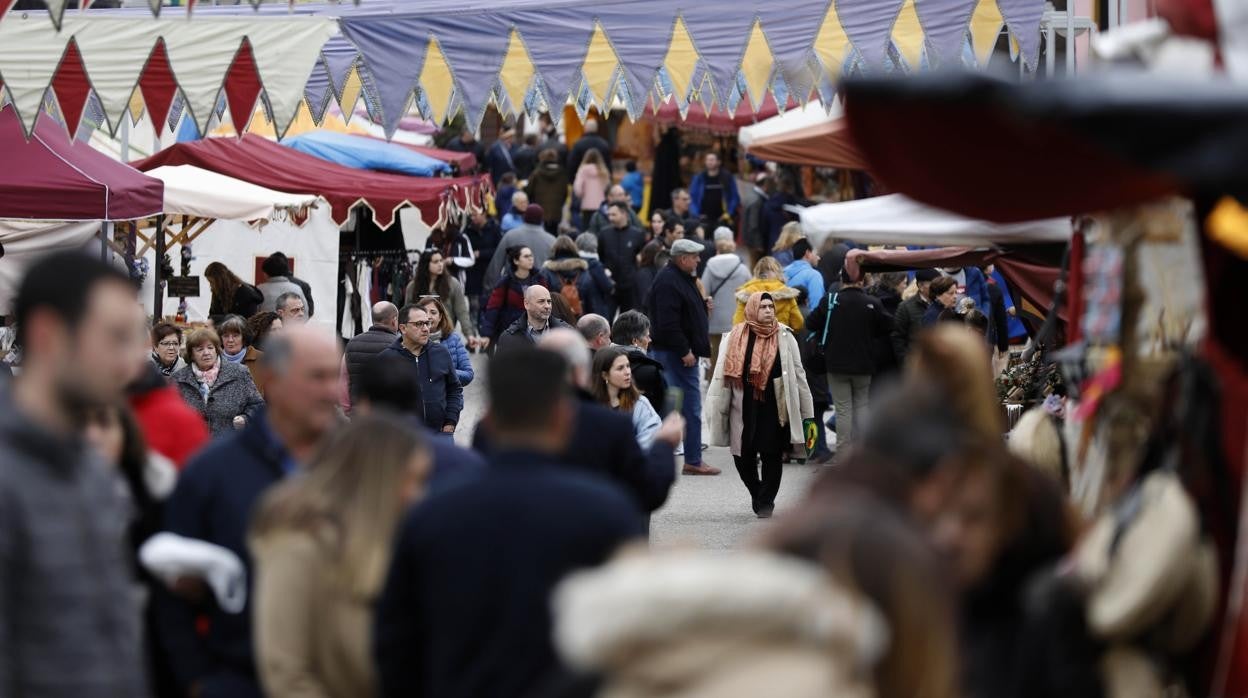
pixel 234 394
pixel 459 355
pixel 787 311
pixel 594 289
pixel 647 625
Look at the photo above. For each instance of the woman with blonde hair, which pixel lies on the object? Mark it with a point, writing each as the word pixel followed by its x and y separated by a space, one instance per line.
pixel 955 360
pixel 783 249
pixel 590 185
pixel 321 547
pixel 769 278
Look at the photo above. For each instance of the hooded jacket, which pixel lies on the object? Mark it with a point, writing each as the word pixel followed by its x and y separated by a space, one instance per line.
pixel 439 384
pixel 548 188
pixel 667 626
pixel 787 311
pixel 800 275
pixel 592 282
pixel 724 274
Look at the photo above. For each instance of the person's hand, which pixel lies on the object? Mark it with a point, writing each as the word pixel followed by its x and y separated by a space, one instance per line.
pixel 1011 311
pixel 448 429
pixel 672 431
pixel 689 359
pixel 240 421
pixel 710 303
pixel 483 343
pixel 190 588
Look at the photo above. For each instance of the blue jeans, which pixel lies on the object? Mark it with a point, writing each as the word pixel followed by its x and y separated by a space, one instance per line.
pixel 686 378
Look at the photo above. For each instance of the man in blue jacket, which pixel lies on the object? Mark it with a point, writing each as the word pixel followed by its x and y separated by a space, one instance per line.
pixel 802 274
pixel 216 494
pixel 714 192
pixel 443 394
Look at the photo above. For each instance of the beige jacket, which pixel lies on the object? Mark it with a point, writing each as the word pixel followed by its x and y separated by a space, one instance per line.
pixel 669 626
pixel 312 637
pixel 722 401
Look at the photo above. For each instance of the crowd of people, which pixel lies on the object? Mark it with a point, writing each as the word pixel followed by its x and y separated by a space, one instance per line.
pixel 248 509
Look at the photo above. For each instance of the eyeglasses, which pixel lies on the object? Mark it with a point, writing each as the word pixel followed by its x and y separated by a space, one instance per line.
pixel 421 323
pixel 169 345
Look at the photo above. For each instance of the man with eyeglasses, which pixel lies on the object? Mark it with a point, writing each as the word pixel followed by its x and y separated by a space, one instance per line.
pixel 442 394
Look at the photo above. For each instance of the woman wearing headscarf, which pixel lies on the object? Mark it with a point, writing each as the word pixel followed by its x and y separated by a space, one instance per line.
pixel 758 399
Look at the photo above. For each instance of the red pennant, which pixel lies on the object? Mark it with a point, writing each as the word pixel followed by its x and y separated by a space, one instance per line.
pixel 4 7
pixel 71 87
pixel 157 85
pixel 242 87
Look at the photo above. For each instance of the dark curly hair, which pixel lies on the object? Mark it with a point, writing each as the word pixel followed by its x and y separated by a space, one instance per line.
pixel 258 327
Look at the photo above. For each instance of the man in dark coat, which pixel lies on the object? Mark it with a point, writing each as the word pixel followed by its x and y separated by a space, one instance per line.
pixel 909 317
pixel 681 336
pixel 524 156
pixel 856 321
pixel 465 610
pixel 439 384
pixel 216 494
pixel 484 235
pixel 618 246
pixel 499 159
pixel 466 142
pixel 536 321
pixel 587 142
pixel 69 621
pixel 364 347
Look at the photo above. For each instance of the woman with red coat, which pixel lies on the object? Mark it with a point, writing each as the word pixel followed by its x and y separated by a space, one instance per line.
pixel 505 304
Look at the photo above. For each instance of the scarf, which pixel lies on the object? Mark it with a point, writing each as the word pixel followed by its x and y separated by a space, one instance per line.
pixel 206 378
pixel 235 358
pixel 766 346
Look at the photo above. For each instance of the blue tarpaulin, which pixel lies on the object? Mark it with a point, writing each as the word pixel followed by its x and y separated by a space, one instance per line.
pixel 366 153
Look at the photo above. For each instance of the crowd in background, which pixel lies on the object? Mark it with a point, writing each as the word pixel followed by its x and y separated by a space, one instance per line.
pixel 248 509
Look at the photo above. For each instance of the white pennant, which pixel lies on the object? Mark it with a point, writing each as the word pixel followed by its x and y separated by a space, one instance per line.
pixel 114 52
pixel 200 54
pixel 30 51
pixel 285 54
pixel 56 11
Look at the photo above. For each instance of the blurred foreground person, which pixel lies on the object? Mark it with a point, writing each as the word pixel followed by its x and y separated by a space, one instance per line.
pixel 758 399
pixel 217 492
pixel 321 545
pixel 465 607
pixel 69 623
pixel 668 626
pixel 955 360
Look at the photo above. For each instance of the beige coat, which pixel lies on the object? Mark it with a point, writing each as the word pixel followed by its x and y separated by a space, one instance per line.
pixel 723 402
pixel 668 626
pixel 312 636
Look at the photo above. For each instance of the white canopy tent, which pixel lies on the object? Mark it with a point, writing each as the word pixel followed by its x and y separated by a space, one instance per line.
pixel 791 120
pixel 898 220
pixel 25 241
pixel 193 191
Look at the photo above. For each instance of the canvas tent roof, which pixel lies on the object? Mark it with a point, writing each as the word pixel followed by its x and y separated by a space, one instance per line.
pixel 50 177
pixel 268 164
pixel 194 191
pixel 366 153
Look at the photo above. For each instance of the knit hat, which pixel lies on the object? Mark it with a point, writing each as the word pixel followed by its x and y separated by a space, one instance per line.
pixel 724 234
pixel 533 214
pixel 926 275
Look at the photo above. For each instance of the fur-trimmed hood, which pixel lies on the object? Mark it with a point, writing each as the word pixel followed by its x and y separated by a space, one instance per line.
pixel 775 287
pixel 703 624
pixel 566 265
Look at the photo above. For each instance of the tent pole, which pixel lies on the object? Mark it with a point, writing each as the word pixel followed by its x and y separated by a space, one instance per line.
pixel 158 303
pixel 106 231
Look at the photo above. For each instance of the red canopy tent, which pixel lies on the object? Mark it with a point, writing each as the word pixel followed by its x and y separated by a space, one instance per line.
pixel 265 163
pixel 51 177
pixel 463 161
pixel 718 121
pixel 821 145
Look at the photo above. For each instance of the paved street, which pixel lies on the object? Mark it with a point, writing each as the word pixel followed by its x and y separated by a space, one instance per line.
pixel 705 512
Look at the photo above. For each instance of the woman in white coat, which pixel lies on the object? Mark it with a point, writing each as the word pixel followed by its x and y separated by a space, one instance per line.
pixel 613 387
pixel 758 399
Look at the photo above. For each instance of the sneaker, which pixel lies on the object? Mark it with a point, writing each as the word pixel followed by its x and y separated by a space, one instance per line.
pixel 700 469
pixel 680 450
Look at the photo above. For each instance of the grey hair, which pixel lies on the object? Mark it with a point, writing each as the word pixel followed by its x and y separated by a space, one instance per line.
pixel 280 303
pixel 235 324
pixel 592 325
pixel 629 327
pixel 572 347
pixel 278 350
pixel 587 242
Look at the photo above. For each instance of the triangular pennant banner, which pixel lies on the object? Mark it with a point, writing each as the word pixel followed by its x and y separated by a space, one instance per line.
pixel 242 88
pixel 158 86
pixel 56 12
pixel 945 25
pixel 30 52
pixel 71 88
pixel 285 53
pixel 114 52
pixel 199 64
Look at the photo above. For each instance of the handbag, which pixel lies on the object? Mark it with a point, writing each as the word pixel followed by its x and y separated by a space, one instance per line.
pixel 818 347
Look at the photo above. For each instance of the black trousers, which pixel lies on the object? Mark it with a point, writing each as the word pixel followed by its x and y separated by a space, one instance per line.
pixel 762 490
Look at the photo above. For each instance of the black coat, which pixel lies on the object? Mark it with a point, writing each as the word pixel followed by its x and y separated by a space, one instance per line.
pixel 439 384
pixel 886 362
pixel 365 347
pixel 584 145
pixel 517 334
pixel 618 251
pixel 246 302
pixel 907 323
pixel 998 321
pixel 678 314
pixel 856 322
pixel 213 502
pixel 648 377
pixel 465 611
pixel 484 241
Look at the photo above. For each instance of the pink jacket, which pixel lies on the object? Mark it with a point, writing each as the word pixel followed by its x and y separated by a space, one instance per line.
pixel 591 187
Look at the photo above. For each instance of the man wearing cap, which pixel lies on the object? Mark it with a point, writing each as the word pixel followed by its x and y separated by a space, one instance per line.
pixel 499 158
pixel 725 273
pixel 529 234
pixel 909 318
pixel 679 336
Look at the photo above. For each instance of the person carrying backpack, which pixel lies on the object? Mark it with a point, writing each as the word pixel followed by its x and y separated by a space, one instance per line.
pixel 567 275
